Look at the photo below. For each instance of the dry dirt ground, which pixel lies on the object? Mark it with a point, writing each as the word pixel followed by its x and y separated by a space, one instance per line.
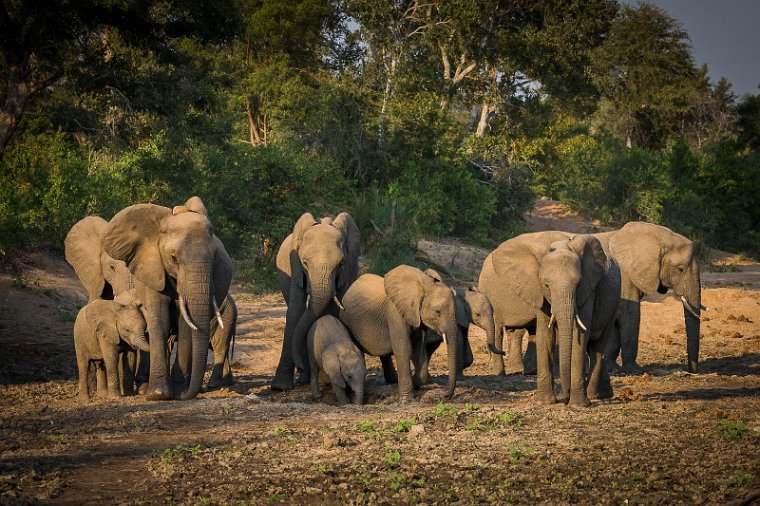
pixel 666 437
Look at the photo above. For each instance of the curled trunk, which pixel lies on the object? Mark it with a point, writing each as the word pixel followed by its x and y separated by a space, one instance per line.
pixel 141 343
pixel 195 287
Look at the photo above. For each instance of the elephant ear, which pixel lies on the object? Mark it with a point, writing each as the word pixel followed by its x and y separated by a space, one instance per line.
pixel 404 287
pixel 351 242
pixel 593 265
pixel 638 251
pixel 331 365
pixel 222 272
pixel 435 275
pixel 296 269
pixel 196 205
pixel 101 316
pixel 82 248
pixel 132 237
pixel 517 266
pixel 463 310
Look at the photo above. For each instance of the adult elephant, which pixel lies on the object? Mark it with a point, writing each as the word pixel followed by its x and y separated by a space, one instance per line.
pixel 472 306
pixel 316 263
pixel 653 259
pixel 552 277
pixel 173 254
pixel 101 275
pixel 389 315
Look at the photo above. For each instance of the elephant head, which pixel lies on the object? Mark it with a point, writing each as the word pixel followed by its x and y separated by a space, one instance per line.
pixel 542 268
pixel 656 259
pixel 112 321
pixel 423 301
pixel 103 276
pixel 324 261
pixel 175 252
pixel 346 367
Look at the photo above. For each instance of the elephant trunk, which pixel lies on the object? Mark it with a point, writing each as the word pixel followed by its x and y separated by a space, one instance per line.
pixel 450 336
pixel 322 292
pixel 490 328
pixel 564 311
pixel 692 303
pixel 141 343
pixel 195 288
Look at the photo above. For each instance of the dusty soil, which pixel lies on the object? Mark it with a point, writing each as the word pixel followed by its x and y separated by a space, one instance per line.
pixel 666 437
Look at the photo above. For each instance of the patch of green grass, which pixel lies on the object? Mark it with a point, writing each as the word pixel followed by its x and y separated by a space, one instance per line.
pixel 368 428
pixel 321 468
pixel 397 481
pixel 393 456
pixel 740 479
pixel 471 408
pixel 280 431
pixel 170 455
pixel 229 409
pixel 276 497
pixel 445 409
pixel 511 418
pixel 518 451
pixel 733 430
pixel 404 425
pixel 58 439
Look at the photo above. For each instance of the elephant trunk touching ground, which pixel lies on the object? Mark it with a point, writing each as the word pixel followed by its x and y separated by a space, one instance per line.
pixel 691 299
pixel 450 334
pixel 321 290
pixel 194 289
pixel 564 311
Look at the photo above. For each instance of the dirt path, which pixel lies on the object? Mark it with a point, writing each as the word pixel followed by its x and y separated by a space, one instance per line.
pixel 666 437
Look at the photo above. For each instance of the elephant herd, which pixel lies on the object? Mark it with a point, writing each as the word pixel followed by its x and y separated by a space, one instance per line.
pixel 158 277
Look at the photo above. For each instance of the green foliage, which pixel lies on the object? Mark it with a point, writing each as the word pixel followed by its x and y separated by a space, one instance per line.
pixel 392 456
pixel 445 409
pixel 730 429
pixel 740 479
pixel 404 425
pixel 518 451
pixel 397 481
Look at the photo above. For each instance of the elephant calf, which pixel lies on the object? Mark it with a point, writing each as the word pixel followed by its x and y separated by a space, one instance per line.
pixel 104 328
pixel 331 349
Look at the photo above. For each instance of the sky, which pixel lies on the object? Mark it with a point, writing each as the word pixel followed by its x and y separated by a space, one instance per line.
pixel 725 35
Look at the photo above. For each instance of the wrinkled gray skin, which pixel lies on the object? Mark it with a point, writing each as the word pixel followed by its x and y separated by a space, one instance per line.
pixel 315 264
pixel 173 255
pixel 331 350
pixel 472 306
pixel 102 329
pixel 221 343
pixel 390 315
pixel 652 259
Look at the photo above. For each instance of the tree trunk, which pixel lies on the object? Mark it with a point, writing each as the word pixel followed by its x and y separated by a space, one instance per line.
pixel 485 110
pixel 253 127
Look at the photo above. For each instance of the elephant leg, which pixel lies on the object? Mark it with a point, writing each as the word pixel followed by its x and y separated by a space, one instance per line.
pixel 127 375
pixel 599 385
pixel 83 365
pixel 314 373
pixel 612 348
pixel 577 385
pixel 515 358
pixel 389 371
pixel 101 390
pixel 182 368
pixel 467 357
pixel 419 356
pixel 544 361
pixel 143 371
pixel 630 314
pixel 111 361
pixel 284 376
pixel 158 330
pixel 340 393
pixel 497 361
pixel 430 346
pixel 529 359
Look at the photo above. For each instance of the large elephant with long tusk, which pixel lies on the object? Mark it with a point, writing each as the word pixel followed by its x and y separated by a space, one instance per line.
pixel 173 254
pixel 316 264
pixel 653 259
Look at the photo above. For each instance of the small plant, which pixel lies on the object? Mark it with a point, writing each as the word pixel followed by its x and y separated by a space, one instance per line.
pixel 368 428
pixel 320 468
pixel 471 408
pixel 404 425
pixel 392 456
pixel 280 431
pixel 517 451
pixel 58 439
pixel 511 418
pixel 740 479
pixel 229 409
pixel 733 430
pixel 397 481
pixel 276 497
pixel 175 454
pixel 445 409
pixel 483 425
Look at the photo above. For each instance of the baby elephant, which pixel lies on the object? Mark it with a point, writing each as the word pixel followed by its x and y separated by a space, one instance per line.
pixel 102 329
pixel 331 349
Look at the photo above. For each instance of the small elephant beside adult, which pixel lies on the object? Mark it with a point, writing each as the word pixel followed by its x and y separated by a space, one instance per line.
pixel 173 255
pixel 331 350
pixel 652 259
pixel 472 306
pixel 316 264
pixel 550 280
pixel 103 329
pixel 389 316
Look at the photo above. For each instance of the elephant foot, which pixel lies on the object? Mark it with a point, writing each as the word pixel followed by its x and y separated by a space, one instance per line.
pixel 83 397
pixel 142 388
pixel 283 380
pixel 497 366
pixel 114 396
pixel 545 398
pixel 460 376
pixel 633 369
pixel 563 398
pixel 611 366
pixel 405 399
pixel 603 392
pixel 579 401
pixel 214 383
pixel 514 368
pixel 416 383
pixel 304 378
pixel 158 393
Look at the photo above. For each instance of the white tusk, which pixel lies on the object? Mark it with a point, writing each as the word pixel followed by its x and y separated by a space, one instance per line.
pixel 703 307
pixel 580 323
pixel 335 298
pixel 218 313
pixel 444 339
pixel 183 312
pixel 308 300
pixel 551 321
pixel 688 307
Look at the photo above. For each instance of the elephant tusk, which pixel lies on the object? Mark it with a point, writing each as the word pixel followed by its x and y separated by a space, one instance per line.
pixel 445 341
pixel 337 302
pixel 551 321
pixel 308 300
pixel 580 323
pixel 218 313
pixel 183 312
pixel 688 307
pixel 703 307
